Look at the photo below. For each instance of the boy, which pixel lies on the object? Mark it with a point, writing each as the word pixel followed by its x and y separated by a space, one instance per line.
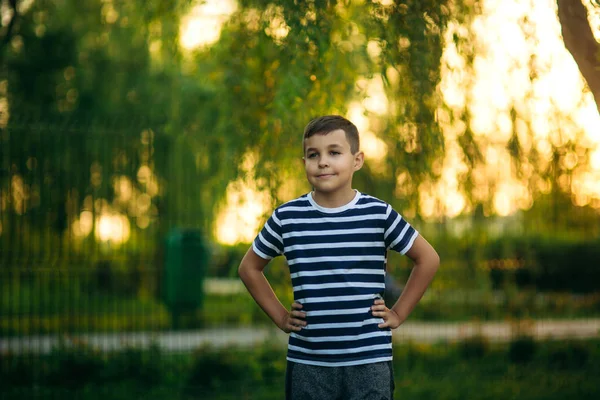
pixel 335 241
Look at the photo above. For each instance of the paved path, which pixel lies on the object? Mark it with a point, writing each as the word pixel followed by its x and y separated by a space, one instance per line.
pixel 419 332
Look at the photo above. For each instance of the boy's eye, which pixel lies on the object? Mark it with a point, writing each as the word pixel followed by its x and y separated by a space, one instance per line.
pixel 312 155
pixel 334 153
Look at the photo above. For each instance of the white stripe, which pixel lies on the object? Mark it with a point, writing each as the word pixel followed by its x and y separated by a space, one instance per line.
pixel 310 207
pixel 328 299
pixel 347 338
pixel 367 205
pixel 268 244
pixel 392 227
pixel 339 271
pixel 410 243
pixel 340 363
pixel 324 220
pixel 341 351
pixel 400 236
pixel 333 245
pixel 338 312
pixel 305 260
pixel 277 220
pixel 273 233
pixel 295 208
pixel 260 253
pixel 358 324
pixel 332 232
pixel 388 211
pixel 380 285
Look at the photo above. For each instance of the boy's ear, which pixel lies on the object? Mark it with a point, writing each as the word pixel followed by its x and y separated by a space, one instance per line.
pixel 359 160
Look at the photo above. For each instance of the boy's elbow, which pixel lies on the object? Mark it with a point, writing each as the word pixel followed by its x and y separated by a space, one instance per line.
pixel 242 270
pixel 431 261
pixel 250 266
pixel 246 268
pixel 244 273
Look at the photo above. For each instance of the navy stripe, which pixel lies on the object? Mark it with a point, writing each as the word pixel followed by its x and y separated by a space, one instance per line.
pixel 340 357
pixel 335 305
pixel 337 252
pixel 332 292
pixel 402 243
pixel 266 250
pixel 364 223
pixel 342 277
pixel 340 345
pixel 339 318
pixel 337 238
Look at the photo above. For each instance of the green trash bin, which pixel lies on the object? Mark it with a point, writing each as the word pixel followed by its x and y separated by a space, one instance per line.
pixel 186 261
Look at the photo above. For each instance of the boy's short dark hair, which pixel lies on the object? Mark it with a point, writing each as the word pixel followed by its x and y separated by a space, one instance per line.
pixel 329 123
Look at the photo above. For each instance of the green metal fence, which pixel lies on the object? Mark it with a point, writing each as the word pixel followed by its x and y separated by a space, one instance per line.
pixel 104 251
pixel 84 216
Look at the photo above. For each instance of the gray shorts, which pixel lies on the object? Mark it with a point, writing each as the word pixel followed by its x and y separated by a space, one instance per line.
pixel 366 382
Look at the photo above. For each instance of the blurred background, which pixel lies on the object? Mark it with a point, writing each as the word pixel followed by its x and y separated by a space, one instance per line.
pixel 144 143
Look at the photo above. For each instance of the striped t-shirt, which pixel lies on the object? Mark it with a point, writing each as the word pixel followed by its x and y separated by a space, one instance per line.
pixel 337 259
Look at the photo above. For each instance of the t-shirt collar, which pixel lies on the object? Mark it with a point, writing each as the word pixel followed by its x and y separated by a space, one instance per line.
pixel 336 209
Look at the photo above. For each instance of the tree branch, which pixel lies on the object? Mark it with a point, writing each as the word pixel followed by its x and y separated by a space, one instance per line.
pixel 9 29
pixel 580 42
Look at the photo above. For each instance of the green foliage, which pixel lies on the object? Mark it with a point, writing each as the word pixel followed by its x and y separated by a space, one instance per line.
pixel 226 260
pixel 84 80
pixel 141 366
pixel 100 86
pixel 522 349
pixel 475 347
pixel 216 370
pixel 16 372
pixel 557 264
pixel 74 367
pixel 556 370
pixel 570 355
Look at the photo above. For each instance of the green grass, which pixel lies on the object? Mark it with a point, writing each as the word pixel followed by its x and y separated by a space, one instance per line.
pixel 474 369
pixel 544 370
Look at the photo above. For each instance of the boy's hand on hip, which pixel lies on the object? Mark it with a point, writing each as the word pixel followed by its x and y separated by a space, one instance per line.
pixel 295 320
pixel 390 318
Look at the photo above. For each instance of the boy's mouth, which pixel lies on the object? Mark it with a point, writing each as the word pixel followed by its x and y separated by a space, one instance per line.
pixel 324 175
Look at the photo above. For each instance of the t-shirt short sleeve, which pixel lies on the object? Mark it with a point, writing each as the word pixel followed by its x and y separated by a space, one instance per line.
pixel 269 241
pixel 399 234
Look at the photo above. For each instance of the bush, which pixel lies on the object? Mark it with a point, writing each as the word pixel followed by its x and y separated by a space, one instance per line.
pixel 271 362
pixel 16 372
pixel 143 366
pixel 74 367
pixel 549 264
pixel 522 349
pixel 474 347
pixel 570 355
pixel 215 369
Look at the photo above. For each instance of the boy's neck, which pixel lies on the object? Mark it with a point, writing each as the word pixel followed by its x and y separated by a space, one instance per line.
pixel 333 200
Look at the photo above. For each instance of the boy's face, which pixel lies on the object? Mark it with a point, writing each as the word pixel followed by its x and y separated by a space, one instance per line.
pixel 329 163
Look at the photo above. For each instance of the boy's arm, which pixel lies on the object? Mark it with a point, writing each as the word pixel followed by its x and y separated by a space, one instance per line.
pixel 426 262
pixel 251 273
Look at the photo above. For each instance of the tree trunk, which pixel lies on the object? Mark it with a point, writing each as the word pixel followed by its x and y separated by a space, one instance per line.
pixel 579 40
